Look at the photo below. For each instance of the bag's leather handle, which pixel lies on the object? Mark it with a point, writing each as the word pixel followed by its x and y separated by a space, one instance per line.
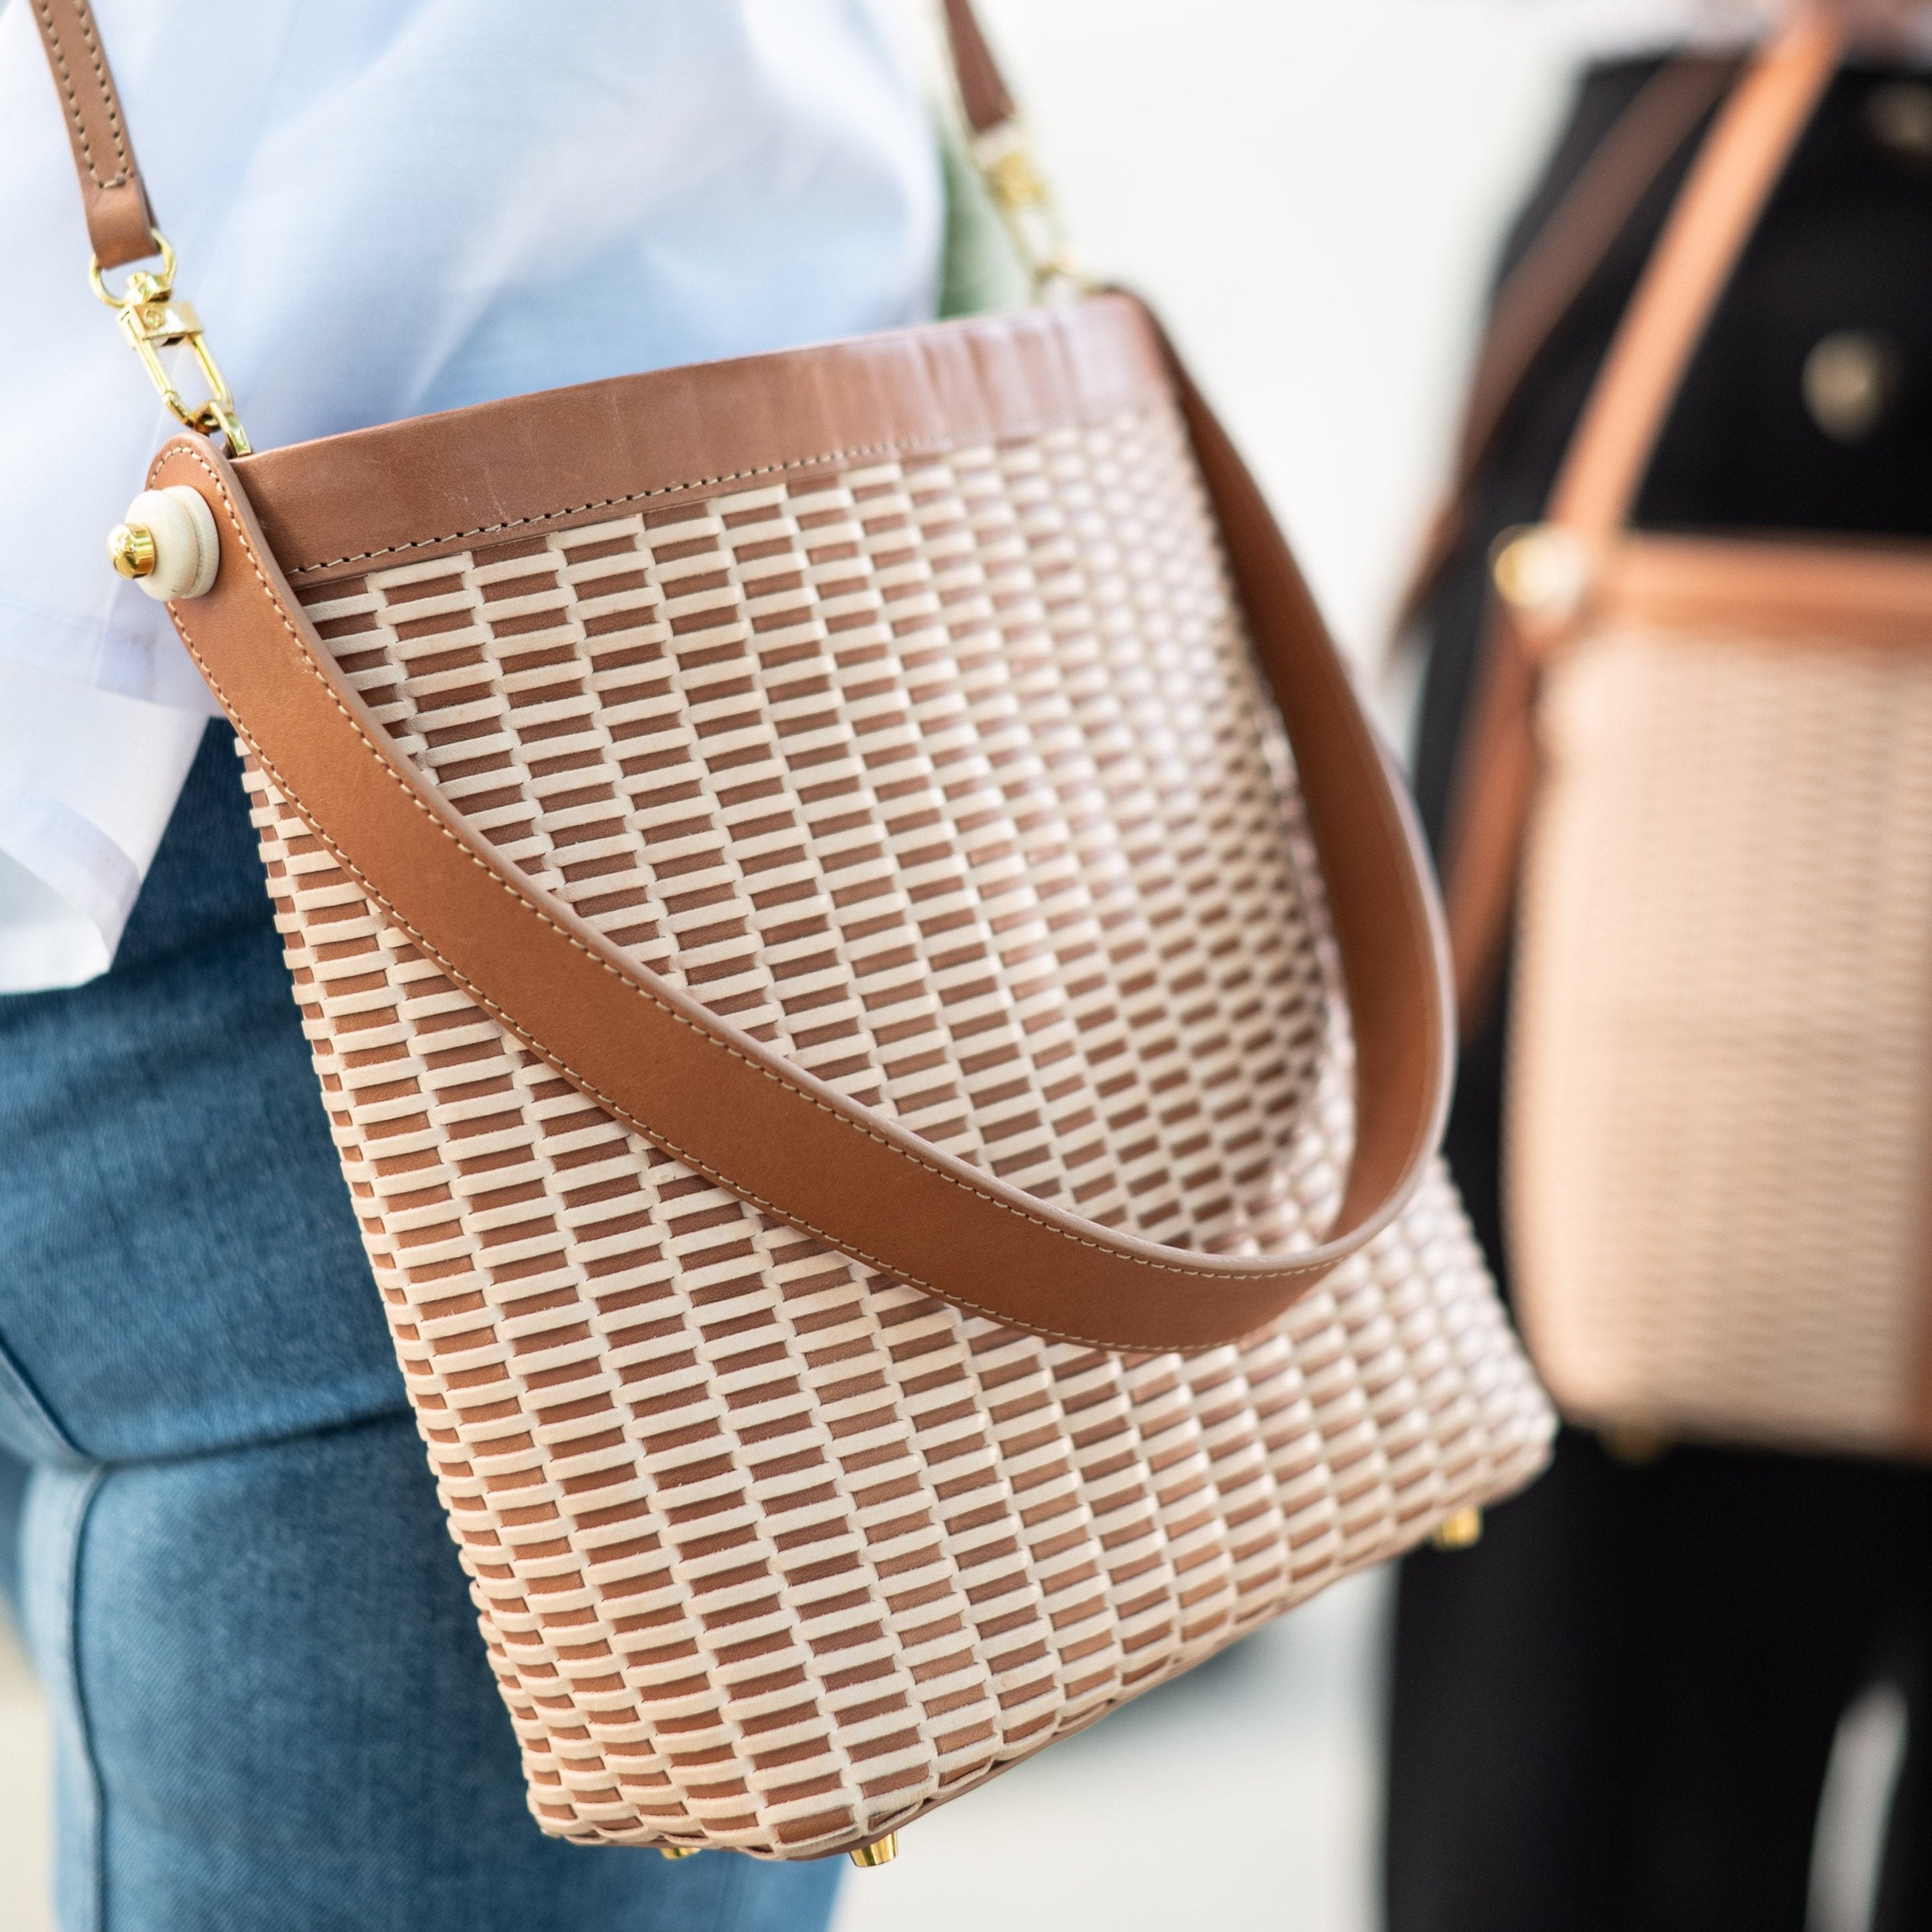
pixel 1739 165
pixel 119 222
pixel 726 1104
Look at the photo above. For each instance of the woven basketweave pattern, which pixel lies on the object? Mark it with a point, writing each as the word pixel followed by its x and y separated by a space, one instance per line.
pixel 1721 1096
pixel 950 776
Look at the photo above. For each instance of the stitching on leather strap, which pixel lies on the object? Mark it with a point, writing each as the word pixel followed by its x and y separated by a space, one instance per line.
pixel 910 446
pixel 73 113
pixel 1287 1270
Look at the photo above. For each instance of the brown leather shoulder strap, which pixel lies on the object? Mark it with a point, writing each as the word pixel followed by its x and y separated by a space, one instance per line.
pixel 982 90
pixel 728 1106
pixel 1733 179
pixel 119 222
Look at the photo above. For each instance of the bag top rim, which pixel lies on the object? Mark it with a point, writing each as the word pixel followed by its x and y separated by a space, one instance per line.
pixel 425 487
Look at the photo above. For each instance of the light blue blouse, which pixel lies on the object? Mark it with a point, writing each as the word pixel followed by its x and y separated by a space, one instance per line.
pixel 382 208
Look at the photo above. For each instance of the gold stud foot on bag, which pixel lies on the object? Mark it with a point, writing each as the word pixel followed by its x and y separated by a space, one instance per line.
pixel 1635 1445
pixel 879 1852
pixel 1462 1531
pixel 679 1851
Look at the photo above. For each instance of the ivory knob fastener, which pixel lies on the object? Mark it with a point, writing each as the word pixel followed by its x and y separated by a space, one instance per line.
pixel 169 545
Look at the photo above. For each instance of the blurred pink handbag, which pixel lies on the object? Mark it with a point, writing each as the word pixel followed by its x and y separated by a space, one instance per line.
pixel 892 1097
pixel 1718 1164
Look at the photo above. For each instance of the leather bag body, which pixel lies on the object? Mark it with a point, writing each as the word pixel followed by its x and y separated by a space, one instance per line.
pixel 887 1030
pixel 1719 751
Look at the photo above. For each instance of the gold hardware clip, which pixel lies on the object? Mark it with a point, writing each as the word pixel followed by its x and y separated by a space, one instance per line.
pixel 151 320
pixel 1003 155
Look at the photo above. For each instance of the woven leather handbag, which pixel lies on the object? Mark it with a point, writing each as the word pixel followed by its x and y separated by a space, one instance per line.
pixel 1719 1109
pixel 892 1094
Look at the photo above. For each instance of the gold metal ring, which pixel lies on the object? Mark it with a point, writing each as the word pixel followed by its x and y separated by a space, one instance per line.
pixel 166 278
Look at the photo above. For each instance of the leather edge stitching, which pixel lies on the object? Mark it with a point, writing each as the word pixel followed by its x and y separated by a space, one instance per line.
pixel 104 182
pixel 907 446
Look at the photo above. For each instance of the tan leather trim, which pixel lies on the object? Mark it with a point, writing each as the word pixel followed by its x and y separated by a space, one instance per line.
pixel 1734 174
pixel 1483 841
pixel 1766 589
pixel 724 1103
pixel 118 218
pixel 1543 287
pixel 982 91
pixel 436 484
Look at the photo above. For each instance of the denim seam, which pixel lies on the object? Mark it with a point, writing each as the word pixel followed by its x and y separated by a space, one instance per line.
pixel 60 1661
pixel 97 1797
pixel 42 1438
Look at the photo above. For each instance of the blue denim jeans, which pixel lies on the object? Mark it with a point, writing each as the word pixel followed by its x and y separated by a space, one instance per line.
pixel 271 1705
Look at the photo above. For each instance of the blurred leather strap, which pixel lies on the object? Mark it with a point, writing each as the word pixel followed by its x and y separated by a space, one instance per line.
pixel 1495 776
pixel 119 222
pixel 1571 245
pixel 1739 165
pixel 982 92
pixel 651 1055
pixel 1730 182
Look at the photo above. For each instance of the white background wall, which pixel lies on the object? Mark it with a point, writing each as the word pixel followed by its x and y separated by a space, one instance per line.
pixel 1310 191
